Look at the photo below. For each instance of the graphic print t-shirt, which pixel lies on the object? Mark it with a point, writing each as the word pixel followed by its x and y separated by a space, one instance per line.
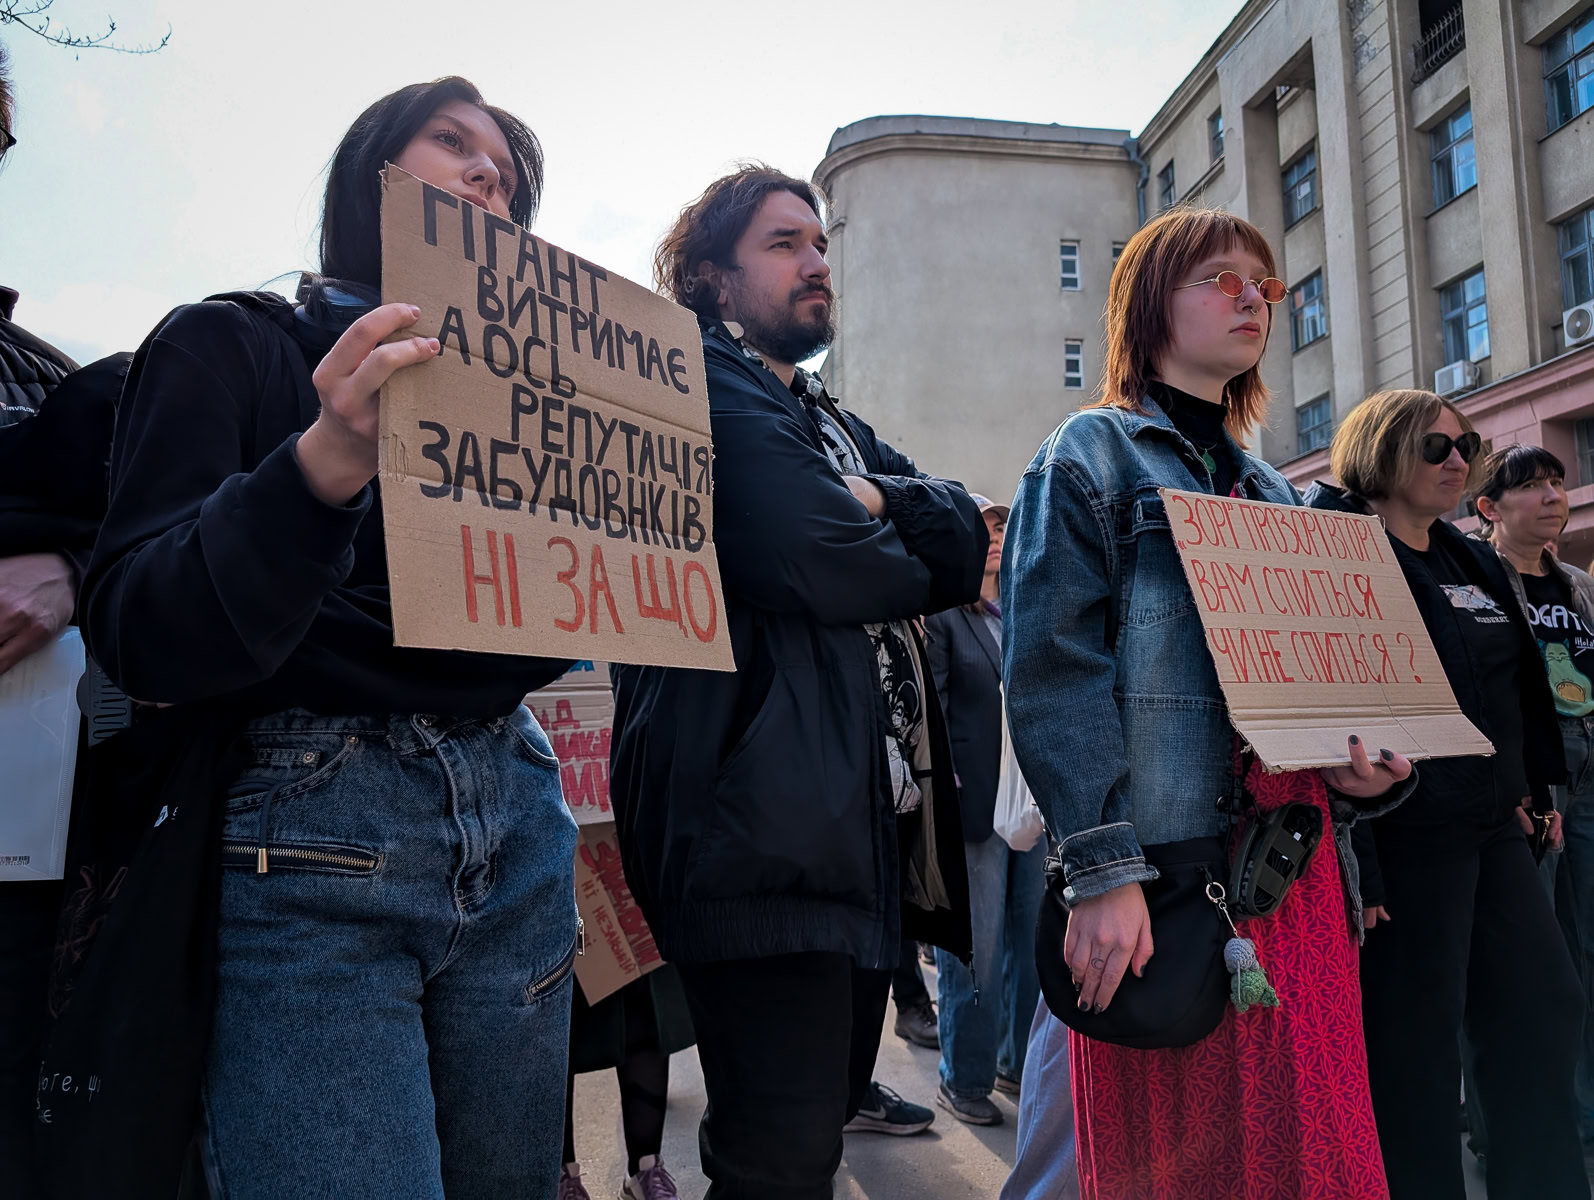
pixel 1566 643
pixel 1479 650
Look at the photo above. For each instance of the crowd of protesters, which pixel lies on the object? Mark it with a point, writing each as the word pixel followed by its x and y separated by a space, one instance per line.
pixel 379 977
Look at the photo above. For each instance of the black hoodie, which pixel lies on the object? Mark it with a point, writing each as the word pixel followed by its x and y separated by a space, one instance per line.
pixel 218 573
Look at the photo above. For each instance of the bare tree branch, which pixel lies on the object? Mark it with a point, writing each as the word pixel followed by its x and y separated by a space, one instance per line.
pixel 34 16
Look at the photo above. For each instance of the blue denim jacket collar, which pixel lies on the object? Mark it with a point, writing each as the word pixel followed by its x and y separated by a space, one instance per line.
pixel 1152 421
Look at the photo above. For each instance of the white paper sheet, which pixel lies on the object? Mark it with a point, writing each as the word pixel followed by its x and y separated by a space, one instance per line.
pixel 38 755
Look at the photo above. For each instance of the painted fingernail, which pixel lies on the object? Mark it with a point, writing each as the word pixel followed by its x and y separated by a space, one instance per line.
pixel 1083 1007
pixel 1100 1007
pixel 1354 740
pixel 1387 755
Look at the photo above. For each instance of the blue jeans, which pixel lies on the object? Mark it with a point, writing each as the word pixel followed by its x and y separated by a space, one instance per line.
pixel 1045 1164
pixel 980 1039
pixel 394 1004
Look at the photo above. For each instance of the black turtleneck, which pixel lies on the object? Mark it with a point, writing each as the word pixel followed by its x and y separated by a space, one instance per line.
pixel 1201 423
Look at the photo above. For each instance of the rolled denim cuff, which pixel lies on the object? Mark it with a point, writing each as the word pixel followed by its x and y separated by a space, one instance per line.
pixel 1097 860
pixel 1351 809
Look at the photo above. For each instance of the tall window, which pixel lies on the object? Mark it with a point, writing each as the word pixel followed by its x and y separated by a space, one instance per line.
pixel 1215 134
pixel 1165 186
pixel 1117 250
pixel 1314 425
pixel 1464 318
pixel 1455 169
pixel 1569 72
pixel 1577 258
pixel 1585 453
pixel 1068 265
pixel 1308 312
pixel 1300 187
pixel 1073 364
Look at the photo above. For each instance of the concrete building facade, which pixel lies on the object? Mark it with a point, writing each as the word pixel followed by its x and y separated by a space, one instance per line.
pixel 1423 168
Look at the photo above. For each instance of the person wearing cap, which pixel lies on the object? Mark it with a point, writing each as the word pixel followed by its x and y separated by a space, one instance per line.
pixel 983 1033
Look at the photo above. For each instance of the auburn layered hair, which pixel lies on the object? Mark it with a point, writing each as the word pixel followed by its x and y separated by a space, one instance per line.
pixel 1140 307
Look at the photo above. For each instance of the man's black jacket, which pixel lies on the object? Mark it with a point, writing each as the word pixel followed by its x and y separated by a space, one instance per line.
pixel 753 807
pixel 967 663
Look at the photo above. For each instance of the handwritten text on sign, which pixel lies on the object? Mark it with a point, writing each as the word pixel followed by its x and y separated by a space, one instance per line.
pixel 546 478
pixel 1314 633
pixel 576 711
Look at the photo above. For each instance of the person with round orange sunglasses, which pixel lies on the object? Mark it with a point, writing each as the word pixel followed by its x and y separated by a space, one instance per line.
pixel 1232 284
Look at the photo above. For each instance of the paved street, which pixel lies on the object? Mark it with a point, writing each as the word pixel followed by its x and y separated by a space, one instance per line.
pixel 949 1161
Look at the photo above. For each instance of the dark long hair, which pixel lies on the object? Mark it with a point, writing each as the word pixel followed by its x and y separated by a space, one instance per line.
pixel 709 228
pixel 351 216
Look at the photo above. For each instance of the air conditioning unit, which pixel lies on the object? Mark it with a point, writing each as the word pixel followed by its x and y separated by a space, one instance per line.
pixel 1578 324
pixel 1455 377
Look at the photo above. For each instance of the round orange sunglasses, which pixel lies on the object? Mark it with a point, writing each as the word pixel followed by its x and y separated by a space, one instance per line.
pixel 1232 284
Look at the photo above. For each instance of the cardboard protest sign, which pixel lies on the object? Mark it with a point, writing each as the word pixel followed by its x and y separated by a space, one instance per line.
pixel 1314 633
pixel 619 945
pixel 576 711
pixel 545 478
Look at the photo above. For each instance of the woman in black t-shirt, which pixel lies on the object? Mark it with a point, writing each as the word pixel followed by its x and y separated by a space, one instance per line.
pixel 1463 929
pixel 1523 507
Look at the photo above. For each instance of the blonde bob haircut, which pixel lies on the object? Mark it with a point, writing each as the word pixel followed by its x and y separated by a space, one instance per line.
pixel 1377 449
pixel 1140 307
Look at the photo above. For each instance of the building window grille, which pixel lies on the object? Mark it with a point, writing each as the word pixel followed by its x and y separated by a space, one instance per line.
pixel 1441 41
pixel 1165 186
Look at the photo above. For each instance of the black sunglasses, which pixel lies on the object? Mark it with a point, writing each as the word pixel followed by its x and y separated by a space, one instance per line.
pixel 1436 447
pixel 7 139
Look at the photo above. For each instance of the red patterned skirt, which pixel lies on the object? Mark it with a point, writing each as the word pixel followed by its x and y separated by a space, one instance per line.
pixel 1274 1102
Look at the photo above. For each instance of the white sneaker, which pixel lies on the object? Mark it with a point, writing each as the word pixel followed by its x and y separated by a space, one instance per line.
pixel 651 1182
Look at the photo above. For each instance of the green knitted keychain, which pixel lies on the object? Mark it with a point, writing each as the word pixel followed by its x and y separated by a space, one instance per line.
pixel 1250 985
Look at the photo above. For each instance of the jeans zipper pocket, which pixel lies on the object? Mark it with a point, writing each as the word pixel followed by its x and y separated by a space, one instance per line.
pixel 330 858
pixel 567 964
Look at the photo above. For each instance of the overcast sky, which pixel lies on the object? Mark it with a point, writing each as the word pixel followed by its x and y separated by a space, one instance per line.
pixel 139 183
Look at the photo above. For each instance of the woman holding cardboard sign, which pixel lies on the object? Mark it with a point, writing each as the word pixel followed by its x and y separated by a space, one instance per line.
pixel 1470 932
pixel 397 915
pixel 1120 726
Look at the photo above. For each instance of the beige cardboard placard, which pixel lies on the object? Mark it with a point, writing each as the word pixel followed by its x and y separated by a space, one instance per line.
pixel 619 944
pixel 1314 633
pixel 545 478
pixel 576 711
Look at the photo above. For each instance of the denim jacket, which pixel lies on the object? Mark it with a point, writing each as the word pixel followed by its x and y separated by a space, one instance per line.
pixel 1117 718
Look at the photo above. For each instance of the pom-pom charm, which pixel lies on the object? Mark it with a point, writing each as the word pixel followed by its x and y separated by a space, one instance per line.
pixel 1250 985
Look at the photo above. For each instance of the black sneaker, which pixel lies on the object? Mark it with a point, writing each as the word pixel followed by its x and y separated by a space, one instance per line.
pixel 971 1112
pixel 884 1111
pixel 1006 1084
pixel 916 1023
